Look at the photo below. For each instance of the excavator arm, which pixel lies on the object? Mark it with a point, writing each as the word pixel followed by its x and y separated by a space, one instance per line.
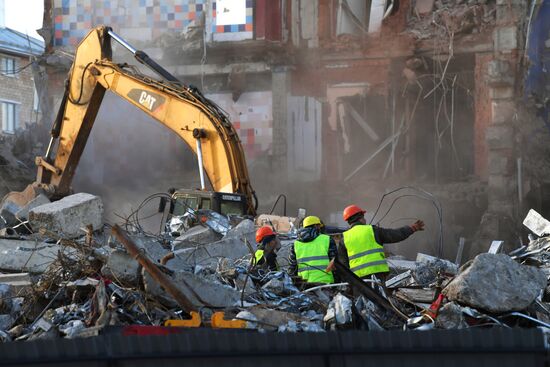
pixel 184 110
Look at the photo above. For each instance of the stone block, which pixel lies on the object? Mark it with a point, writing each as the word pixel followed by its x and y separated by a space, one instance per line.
pixel 503 111
pixel 496 283
pixel 68 215
pixel 500 137
pixel 505 38
pixel 500 74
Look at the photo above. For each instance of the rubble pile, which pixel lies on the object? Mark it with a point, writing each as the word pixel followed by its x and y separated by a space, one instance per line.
pixel 66 274
pixel 431 18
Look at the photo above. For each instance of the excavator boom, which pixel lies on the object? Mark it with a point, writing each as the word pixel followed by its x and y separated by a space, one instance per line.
pixel 182 109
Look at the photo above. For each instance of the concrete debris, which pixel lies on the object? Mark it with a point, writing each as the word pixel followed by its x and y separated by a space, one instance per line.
pixel 339 311
pixel 28 256
pixel 122 267
pixel 496 283
pixel 23 213
pixel 199 291
pixel 450 316
pixel 209 254
pixel 537 223
pixel 194 237
pixel 67 282
pixel 68 216
pixel 245 229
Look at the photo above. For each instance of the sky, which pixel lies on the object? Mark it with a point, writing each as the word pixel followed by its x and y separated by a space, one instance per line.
pixel 24 16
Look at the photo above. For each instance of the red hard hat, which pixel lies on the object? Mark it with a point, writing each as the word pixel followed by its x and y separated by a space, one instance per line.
pixel 351 210
pixel 262 232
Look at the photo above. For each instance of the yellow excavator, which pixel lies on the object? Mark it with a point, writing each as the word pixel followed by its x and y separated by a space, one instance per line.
pixel 181 108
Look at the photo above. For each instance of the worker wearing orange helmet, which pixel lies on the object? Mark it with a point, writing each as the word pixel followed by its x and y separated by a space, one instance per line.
pixel 268 245
pixel 364 243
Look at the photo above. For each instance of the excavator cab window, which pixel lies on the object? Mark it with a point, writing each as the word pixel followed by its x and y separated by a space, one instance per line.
pixel 206 204
pixel 231 207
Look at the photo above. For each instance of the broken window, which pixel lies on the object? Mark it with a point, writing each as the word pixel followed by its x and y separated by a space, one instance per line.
pixel 362 16
pixel 9 117
pixel 8 66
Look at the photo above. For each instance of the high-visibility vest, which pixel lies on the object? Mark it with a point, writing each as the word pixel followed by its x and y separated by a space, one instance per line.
pixel 259 254
pixel 312 258
pixel 366 256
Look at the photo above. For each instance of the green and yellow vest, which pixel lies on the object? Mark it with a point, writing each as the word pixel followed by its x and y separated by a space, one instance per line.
pixel 312 258
pixel 366 256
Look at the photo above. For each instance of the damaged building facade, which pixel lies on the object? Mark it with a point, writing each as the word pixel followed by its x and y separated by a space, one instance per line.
pixel 344 99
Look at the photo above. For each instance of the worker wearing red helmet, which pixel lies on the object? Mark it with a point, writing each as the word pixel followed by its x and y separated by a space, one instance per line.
pixel 268 245
pixel 364 243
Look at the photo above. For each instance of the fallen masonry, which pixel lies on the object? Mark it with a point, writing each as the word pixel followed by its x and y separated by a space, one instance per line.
pixel 67 274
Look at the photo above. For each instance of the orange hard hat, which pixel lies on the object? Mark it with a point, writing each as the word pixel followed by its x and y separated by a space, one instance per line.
pixel 263 232
pixel 351 210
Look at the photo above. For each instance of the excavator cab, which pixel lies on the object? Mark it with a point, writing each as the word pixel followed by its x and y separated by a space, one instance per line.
pixel 220 202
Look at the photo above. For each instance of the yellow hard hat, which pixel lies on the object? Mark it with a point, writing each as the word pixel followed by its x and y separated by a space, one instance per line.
pixel 311 220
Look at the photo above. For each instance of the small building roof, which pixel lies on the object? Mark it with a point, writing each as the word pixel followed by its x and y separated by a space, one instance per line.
pixel 19 43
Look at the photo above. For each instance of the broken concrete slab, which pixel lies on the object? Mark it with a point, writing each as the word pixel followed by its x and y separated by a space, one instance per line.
pixel 400 266
pixel 196 236
pixel 429 268
pixel 417 295
pixel 122 268
pixel 536 223
pixel 69 215
pixel 23 213
pixel 20 282
pixel 496 283
pixel 199 291
pixel 245 229
pixel 208 255
pixel 272 319
pixel 28 256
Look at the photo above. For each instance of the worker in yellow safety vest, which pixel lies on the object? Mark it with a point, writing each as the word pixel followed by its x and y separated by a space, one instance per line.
pixel 268 245
pixel 311 253
pixel 364 243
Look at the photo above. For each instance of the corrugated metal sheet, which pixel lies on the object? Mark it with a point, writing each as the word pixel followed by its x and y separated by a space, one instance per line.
pixel 219 348
pixel 16 42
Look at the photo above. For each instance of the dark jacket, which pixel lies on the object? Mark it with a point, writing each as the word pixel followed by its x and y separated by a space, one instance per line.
pixel 307 235
pixel 268 261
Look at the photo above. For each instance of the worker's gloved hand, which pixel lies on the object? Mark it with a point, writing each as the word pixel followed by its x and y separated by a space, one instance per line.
pixel 417 226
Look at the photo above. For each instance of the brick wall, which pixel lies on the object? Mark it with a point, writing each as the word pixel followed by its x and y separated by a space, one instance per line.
pixel 19 88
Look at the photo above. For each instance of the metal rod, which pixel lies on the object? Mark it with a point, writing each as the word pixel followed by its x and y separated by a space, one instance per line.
pixel 121 40
pixel 460 250
pixel 154 271
pixel 199 159
pixel 520 182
